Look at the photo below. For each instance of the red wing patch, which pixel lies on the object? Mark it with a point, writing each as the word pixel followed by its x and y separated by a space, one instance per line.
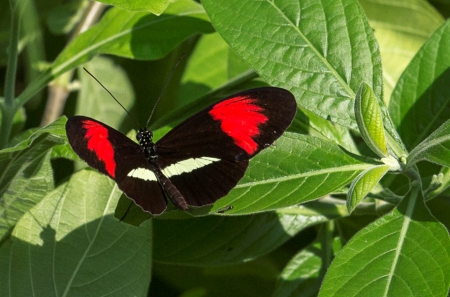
pixel 97 141
pixel 240 119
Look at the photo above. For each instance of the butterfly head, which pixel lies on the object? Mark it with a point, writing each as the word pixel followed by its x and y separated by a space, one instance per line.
pixel 144 137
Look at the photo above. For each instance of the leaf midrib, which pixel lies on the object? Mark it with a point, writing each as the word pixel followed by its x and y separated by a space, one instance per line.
pixel 307 174
pixel 316 52
pixel 84 256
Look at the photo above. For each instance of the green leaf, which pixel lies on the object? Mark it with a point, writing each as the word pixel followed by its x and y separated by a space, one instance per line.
pixel 405 253
pixel 64 151
pixel 136 34
pixel 237 66
pixel 420 102
pixel 439 208
pixel 206 68
pixel 253 278
pixel 26 174
pixel 154 6
pixel 128 34
pixel 319 51
pixel 220 240
pixel 71 245
pixel 370 123
pixel 363 184
pixel 94 101
pixel 300 277
pixel 436 148
pixel 400 27
pixel 297 169
pixel 306 122
pixel 331 208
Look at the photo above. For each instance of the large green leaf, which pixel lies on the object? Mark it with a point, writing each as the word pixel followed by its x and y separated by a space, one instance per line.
pixel 420 102
pixel 401 27
pixel 135 34
pixel 253 278
pixel 297 169
pixel 71 245
pixel 219 240
pixel 128 34
pixel 154 6
pixel 306 122
pixel 324 49
pixel 26 175
pixel 300 277
pixel 405 253
pixel 206 68
pixel 436 148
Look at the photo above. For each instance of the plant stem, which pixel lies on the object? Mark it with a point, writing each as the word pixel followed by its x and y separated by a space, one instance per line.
pixel 8 108
pixel 326 241
pixel 58 91
pixel 413 174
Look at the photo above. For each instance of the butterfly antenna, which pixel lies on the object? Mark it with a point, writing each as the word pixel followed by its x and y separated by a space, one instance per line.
pixel 162 91
pixel 113 97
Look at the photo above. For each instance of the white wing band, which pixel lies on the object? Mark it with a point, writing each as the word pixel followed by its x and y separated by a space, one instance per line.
pixel 181 167
pixel 188 165
pixel 142 173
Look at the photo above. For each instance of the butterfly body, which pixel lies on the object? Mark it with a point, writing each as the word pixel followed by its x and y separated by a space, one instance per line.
pixel 198 161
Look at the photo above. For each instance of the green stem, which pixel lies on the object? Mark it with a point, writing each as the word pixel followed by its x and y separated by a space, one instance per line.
pixel 9 107
pixel 413 174
pixel 326 241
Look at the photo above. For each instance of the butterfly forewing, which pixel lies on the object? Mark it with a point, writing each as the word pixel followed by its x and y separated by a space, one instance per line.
pixel 117 156
pixel 237 127
pixel 231 132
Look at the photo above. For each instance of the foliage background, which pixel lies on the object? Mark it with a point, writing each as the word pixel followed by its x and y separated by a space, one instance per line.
pixel 58 231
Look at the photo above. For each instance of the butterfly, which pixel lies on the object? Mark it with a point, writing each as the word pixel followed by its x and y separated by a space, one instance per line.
pixel 197 162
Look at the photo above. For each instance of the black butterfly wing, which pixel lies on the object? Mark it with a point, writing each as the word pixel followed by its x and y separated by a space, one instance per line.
pixel 199 161
pixel 206 155
pixel 114 154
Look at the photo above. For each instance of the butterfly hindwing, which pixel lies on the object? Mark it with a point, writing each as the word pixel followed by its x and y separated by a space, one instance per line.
pixel 146 193
pixel 205 184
